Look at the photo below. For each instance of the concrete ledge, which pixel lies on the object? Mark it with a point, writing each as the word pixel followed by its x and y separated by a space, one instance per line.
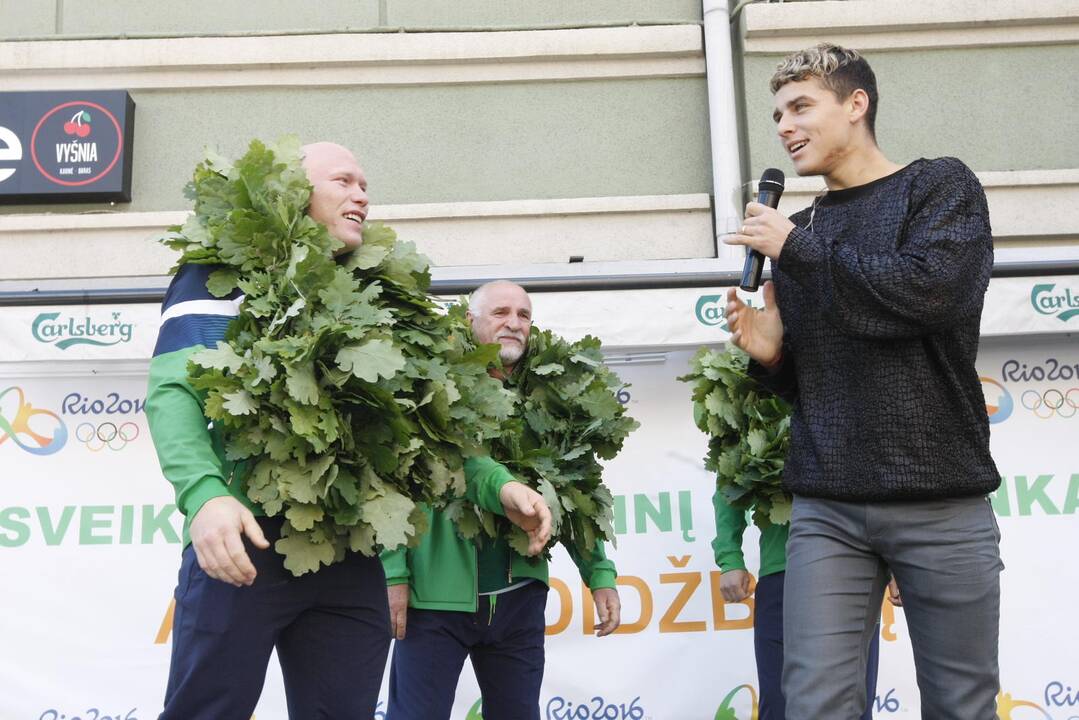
pixel 1029 209
pixel 354 59
pixel 478 233
pixel 1031 206
pixel 776 28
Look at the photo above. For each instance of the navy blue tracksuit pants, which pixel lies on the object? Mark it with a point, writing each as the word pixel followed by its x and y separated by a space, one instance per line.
pixel 331 629
pixel 768 647
pixel 506 648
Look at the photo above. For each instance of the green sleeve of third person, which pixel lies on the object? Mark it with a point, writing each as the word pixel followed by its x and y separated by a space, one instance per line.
pixel 774 549
pixel 597 571
pixel 730 526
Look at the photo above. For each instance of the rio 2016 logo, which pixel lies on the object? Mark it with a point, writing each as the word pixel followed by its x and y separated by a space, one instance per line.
pixel 1056 696
pixel 597 708
pixel 1054 401
pixel 1060 400
pixel 38 432
pixel 998 401
pixel 106 435
pixel 1007 709
pixel 99 434
pixel 726 710
pixel 91 714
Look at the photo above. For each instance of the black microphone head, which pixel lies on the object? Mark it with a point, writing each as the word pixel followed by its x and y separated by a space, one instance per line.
pixel 772 179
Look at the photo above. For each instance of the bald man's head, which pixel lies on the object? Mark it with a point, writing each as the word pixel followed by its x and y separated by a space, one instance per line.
pixel 501 312
pixel 339 191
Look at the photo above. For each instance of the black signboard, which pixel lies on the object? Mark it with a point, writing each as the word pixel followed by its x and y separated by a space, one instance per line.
pixel 66 146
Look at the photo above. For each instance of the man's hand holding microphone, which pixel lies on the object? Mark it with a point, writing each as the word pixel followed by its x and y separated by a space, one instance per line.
pixel 760 332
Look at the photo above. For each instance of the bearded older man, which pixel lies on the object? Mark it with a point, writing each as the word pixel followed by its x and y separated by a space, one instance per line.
pixel 461 599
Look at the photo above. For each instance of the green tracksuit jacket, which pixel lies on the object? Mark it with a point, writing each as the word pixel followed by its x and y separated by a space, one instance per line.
pixel 730 525
pixel 442 569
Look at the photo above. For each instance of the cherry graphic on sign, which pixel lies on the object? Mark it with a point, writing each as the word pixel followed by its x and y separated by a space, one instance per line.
pixel 79 124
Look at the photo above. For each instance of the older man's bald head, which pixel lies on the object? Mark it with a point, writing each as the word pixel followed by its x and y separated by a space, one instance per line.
pixel 499 288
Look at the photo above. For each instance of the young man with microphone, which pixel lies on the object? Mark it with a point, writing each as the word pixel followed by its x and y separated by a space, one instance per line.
pixel 871 330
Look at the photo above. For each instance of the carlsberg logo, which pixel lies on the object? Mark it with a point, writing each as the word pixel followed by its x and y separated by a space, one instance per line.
pixel 1064 304
pixel 711 310
pixel 64 331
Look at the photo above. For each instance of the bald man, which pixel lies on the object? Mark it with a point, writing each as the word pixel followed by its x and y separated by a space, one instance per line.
pixel 235 601
pixel 451 598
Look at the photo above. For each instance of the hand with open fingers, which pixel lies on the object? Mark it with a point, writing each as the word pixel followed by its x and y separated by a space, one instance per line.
pixel 764 229
pixel 217 532
pixel 527 509
pixel 758 332
pixel 608 610
pixel 893 593
pixel 734 585
pixel 398 599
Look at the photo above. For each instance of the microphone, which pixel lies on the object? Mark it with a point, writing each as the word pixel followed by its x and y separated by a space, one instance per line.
pixel 769 191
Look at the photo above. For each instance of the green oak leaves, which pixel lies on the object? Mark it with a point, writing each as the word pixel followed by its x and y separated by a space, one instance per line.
pixel 348 394
pixel 567 418
pixel 748 433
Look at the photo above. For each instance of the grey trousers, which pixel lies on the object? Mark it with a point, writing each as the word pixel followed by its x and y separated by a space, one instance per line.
pixel 945 556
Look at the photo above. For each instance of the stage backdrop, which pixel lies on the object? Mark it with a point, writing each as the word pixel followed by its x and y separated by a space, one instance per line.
pixel 89 534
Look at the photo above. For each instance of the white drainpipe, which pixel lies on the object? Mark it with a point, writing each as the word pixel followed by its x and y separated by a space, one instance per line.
pixel 723 125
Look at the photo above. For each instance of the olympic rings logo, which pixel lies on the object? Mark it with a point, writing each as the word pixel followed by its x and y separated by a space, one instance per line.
pixel 106 435
pixel 1051 402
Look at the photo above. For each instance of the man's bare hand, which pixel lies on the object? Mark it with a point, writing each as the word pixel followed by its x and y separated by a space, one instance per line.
pixel 893 593
pixel 758 332
pixel 608 609
pixel 217 535
pixel 527 509
pixel 398 598
pixel 734 585
pixel 765 230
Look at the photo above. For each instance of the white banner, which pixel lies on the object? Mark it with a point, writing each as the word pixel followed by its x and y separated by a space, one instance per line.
pixel 78 332
pixel 679 317
pixel 89 546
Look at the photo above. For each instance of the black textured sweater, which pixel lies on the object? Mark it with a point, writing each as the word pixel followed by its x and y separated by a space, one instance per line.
pixel 880 290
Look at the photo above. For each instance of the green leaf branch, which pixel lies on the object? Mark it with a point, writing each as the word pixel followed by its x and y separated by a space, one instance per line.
pixel 566 419
pixel 748 432
pixel 349 395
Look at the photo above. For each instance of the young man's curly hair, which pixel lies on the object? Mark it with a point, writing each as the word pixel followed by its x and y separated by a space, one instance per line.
pixel 839 69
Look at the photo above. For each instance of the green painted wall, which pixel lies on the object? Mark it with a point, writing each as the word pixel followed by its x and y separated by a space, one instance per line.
pixel 113 18
pixel 446 142
pixel 1006 108
pixel 118 18
pixel 27 18
pixel 538 13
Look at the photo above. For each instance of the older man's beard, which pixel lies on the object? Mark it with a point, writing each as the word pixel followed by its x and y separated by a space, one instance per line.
pixel 512 353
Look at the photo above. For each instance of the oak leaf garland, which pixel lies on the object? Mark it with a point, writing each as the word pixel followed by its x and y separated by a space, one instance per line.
pixel 748 431
pixel 341 385
pixel 566 419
